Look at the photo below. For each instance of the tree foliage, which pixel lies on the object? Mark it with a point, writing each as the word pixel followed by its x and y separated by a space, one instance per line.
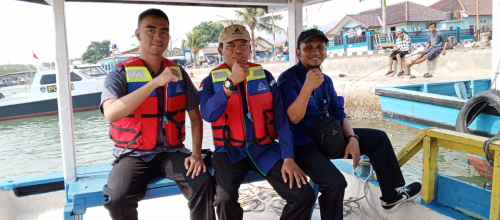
pixel 195 41
pixel 209 30
pixel 97 50
pixel 255 18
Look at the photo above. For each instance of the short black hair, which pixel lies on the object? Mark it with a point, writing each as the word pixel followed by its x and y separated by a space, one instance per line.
pixel 432 23
pixel 157 13
pixel 221 45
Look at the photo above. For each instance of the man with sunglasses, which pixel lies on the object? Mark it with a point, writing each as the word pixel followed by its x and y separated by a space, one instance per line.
pixel 309 96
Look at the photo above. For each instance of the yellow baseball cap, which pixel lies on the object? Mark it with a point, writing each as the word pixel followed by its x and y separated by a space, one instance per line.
pixel 234 32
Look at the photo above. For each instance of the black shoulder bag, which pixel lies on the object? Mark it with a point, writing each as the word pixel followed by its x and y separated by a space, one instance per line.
pixel 327 133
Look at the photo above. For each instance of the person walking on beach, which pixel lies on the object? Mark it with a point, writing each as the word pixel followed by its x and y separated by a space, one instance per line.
pixel 403 47
pixel 310 98
pixel 145 100
pixel 243 103
pixel 436 44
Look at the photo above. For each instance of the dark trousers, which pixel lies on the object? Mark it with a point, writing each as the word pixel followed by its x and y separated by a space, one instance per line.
pixel 374 144
pixel 229 176
pixel 128 179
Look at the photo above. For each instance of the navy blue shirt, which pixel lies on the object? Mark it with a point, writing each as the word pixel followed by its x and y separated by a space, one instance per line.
pixel 436 41
pixel 213 105
pixel 290 83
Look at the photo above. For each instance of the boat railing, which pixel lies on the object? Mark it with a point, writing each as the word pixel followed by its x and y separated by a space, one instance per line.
pixel 430 140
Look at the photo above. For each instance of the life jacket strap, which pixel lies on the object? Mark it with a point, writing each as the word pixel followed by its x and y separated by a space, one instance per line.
pixel 179 125
pixel 123 154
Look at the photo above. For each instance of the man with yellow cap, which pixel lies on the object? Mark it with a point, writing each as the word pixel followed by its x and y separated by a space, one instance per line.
pixel 243 103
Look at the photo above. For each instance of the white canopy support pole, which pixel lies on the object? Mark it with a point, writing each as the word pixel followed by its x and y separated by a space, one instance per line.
pixel 64 101
pixel 495 51
pixel 294 28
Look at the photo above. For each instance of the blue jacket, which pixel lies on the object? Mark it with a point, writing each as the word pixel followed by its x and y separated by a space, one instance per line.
pixel 290 83
pixel 213 105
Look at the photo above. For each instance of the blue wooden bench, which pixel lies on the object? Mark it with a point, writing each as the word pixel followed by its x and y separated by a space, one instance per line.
pixel 86 192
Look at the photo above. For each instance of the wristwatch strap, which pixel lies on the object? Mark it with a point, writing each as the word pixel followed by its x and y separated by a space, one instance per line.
pixel 353 135
pixel 232 87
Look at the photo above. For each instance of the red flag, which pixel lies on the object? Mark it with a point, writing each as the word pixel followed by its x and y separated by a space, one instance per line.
pixel 34 56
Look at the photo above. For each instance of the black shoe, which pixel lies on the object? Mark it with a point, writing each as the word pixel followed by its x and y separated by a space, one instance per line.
pixel 389 73
pixel 406 193
pixel 401 73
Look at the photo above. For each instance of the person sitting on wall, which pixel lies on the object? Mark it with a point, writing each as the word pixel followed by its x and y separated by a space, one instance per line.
pixel 436 43
pixel 310 98
pixel 403 47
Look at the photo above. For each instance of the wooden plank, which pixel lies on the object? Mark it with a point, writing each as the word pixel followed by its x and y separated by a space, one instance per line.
pixel 464 148
pixel 463 138
pixel 431 151
pixel 495 191
pixel 413 147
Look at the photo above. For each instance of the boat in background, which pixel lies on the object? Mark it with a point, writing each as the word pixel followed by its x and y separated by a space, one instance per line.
pixel 439 104
pixel 87 82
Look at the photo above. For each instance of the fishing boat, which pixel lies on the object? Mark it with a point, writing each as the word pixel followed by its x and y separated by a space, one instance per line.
pixel 443 105
pixel 72 192
pixel 41 98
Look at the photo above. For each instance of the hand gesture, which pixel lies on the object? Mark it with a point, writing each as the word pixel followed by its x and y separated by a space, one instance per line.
pixel 294 172
pixel 239 72
pixel 314 78
pixel 194 164
pixel 167 75
pixel 353 149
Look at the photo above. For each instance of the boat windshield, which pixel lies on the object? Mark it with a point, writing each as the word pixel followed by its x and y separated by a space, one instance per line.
pixel 92 72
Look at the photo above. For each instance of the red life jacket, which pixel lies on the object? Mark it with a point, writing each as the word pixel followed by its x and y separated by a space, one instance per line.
pixel 139 130
pixel 229 129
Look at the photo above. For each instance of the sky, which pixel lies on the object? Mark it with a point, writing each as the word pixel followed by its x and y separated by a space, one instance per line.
pixel 28 27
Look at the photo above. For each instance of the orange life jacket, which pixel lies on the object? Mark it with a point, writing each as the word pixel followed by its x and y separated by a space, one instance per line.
pixel 229 129
pixel 139 130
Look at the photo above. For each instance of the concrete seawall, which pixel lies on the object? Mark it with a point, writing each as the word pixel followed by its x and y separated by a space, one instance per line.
pixel 358 87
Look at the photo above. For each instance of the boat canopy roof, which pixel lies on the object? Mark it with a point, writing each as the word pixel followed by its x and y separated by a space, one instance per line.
pixel 268 5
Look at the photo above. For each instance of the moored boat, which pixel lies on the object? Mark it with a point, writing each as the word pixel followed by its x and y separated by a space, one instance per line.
pixel 41 98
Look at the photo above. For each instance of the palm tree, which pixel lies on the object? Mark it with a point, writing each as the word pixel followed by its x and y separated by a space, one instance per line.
pixel 255 18
pixel 196 42
pixel 384 15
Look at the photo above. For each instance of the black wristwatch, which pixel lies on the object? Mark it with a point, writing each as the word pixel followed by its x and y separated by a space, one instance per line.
pixel 228 84
pixel 353 135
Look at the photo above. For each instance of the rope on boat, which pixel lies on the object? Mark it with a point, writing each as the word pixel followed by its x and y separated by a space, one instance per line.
pixel 259 198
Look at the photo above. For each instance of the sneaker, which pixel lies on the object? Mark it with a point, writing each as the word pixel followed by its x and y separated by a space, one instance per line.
pixel 389 73
pixel 401 73
pixel 405 193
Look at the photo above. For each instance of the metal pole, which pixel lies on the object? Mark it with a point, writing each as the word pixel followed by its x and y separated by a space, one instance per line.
pixel 294 27
pixel 274 38
pixel 495 58
pixel 478 32
pixel 384 18
pixel 64 102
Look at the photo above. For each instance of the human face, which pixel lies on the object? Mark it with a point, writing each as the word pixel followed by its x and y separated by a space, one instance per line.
pixel 235 51
pixel 400 35
pixel 153 35
pixel 432 28
pixel 312 53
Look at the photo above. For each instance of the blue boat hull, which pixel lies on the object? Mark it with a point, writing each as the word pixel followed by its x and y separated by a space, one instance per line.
pixel 32 108
pixel 436 105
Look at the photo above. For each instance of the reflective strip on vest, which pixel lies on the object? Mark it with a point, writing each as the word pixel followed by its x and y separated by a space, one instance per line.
pixel 260 104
